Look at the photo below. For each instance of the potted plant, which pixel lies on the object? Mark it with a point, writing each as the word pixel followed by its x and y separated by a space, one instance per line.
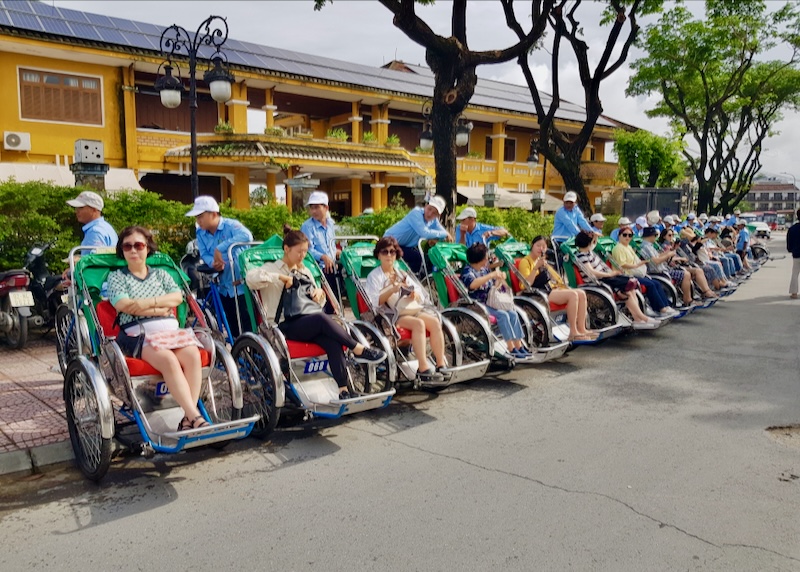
pixel 474 155
pixel 275 131
pixel 393 140
pixel 420 151
pixel 337 134
pixel 223 127
pixel 369 138
pixel 304 134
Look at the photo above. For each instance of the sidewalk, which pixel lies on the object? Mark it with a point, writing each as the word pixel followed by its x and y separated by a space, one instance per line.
pixel 33 426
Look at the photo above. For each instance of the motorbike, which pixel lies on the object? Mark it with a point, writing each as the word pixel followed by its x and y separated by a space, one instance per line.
pixel 15 306
pixel 47 289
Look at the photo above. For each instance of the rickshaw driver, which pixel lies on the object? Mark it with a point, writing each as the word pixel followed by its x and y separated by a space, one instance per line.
pixel 320 229
pixel 471 231
pixel 97 232
pixel 420 223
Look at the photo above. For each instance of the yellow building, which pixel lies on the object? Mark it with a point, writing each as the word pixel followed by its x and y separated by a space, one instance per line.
pixel 68 75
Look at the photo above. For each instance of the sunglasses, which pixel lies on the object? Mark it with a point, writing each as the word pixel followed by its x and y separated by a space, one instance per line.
pixel 388 252
pixel 626 234
pixel 137 246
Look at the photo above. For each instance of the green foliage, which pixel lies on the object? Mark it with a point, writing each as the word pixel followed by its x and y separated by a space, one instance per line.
pixel 648 160
pixel 35 213
pixel 612 221
pixel 716 85
pixel 474 155
pixel 393 139
pixel 274 131
pixel 264 221
pixel 223 127
pixel 337 133
pixel 376 223
pixel 368 137
pixel 524 225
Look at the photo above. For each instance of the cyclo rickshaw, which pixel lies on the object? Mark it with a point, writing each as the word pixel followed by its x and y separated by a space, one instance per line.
pixel 111 396
pixel 468 338
pixel 295 375
pixel 448 258
pixel 602 313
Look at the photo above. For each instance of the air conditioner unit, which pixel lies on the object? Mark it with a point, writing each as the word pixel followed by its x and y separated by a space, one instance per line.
pixel 16 141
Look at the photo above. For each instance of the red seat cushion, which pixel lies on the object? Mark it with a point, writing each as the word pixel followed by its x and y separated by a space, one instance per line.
pixel 362 304
pixel 138 367
pixel 515 284
pixel 107 315
pixel 405 334
pixel 452 291
pixel 299 350
pixel 578 276
pixel 557 307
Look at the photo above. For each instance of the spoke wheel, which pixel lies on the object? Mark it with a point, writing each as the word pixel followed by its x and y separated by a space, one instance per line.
pixel 539 335
pixel 475 345
pixel 759 253
pixel 258 385
pixel 600 310
pixel 92 451
pixel 218 397
pixel 17 336
pixel 66 337
pixel 380 382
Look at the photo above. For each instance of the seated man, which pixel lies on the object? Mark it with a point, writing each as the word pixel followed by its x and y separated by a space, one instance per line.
pixel 471 231
pixel 623 222
pixel 420 223
pixel 597 221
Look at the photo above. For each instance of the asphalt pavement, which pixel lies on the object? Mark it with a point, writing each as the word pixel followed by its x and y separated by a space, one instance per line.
pixel 647 452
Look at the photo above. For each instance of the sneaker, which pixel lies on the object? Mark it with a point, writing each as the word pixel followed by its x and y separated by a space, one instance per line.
pixel 345 394
pixel 444 371
pixel 371 355
pixel 520 353
pixel 430 375
pixel 669 311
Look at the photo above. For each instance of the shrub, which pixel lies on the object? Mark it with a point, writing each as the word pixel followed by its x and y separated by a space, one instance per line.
pixel 377 223
pixel 393 139
pixel 223 127
pixel 274 131
pixel 337 133
pixel 368 137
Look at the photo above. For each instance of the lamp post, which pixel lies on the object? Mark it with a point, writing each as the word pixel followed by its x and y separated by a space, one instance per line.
pixel 794 193
pixel 176 41
pixel 533 161
pixel 463 128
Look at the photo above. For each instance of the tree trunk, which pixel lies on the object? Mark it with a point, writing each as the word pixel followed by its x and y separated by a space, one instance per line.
pixel 443 124
pixel 570 171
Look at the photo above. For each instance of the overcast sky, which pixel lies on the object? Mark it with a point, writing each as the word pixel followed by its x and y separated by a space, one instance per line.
pixel 362 32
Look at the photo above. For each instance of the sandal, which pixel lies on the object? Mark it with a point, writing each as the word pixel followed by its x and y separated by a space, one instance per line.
pixel 199 422
pixel 580 338
pixel 185 424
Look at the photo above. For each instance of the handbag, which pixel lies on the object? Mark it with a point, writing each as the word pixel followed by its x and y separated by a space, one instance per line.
pixel 500 297
pixel 298 300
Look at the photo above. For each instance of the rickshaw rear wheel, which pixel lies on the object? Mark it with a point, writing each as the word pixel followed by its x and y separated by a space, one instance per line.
pixel 258 385
pixel 475 345
pixel 382 382
pixel 92 450
pixel 601 311
pixel 539 335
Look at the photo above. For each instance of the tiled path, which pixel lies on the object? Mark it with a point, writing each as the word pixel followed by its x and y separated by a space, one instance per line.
pixel 31 401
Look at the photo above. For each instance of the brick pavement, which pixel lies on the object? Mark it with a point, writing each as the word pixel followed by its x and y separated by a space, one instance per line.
pixel 31 403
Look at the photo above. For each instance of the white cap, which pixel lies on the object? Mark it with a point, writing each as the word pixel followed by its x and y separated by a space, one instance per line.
pixel 623 220
pixel 641 221
pixel 571 196
pixel 669 219
pixel 204 204
pixel 653 217
pixel 737 211
pixel 703 216
pixel 691 216
pixel 728 216
pixel 468 212
pixel 87 199
pixel 438 203
pixel 597 217
pixel 368 210
pixel 317 198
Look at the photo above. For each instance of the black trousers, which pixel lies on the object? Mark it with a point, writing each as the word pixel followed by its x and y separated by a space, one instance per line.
pixel 229 305
pixel 322 330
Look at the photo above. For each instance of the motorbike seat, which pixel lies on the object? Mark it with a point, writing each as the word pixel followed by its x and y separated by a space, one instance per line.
pixel 10 273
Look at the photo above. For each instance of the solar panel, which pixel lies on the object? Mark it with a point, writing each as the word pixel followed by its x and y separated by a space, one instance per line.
pixel 26 21
pixel 4 19
pixel 53 26
pixel 112 36
pixel 43 9
pixel 124 25
pixel 98 19
pixel 136 40
pixel 85 31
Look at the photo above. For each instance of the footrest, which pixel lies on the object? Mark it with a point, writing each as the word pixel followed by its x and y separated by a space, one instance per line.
pixel 238 429
pixel 340 407
pixel 543 354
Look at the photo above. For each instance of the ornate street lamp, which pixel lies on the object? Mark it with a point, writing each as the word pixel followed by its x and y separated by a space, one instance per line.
pixel 463 129
pixel 176 41
pixel 533 156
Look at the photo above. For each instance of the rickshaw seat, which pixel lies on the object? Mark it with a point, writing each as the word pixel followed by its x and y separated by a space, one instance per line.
pixel 557 307
pixel 107 316
pixel 362 304
pixel 300 350
pixel 452 290
pixel 515 285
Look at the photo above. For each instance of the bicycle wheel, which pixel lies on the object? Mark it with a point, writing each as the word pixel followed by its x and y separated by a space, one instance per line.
pixel 259 385
pixel 83 408
pixel 362 380
pixel 540 334
pixel 601 311
pixel 476 341
pixel 218 395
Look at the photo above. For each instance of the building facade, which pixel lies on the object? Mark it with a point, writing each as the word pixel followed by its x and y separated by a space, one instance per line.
pixel 774 196
pixel 68 75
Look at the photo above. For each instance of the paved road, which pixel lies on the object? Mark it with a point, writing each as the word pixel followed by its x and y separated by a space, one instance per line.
pixel 646 453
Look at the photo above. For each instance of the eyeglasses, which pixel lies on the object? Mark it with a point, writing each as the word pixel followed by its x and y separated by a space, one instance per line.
pixel 388 252
pixel 137 246
pixel 626 234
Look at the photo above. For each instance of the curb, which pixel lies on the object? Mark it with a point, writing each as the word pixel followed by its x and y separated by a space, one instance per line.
pixel 35 458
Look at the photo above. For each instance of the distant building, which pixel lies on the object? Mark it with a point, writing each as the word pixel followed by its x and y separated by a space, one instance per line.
pixel 766 195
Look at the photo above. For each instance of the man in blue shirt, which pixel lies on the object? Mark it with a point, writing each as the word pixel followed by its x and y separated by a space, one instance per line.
pixel 569 219
pixel 471 231
pixel 420 223
pixel 734 218
pixel 743 243
pixel 321 231
pixel 597 220
pixel 623 222
pixel 89 212
pixel 215 235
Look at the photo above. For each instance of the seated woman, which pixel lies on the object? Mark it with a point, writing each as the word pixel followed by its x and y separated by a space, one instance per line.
pixel 318 328
pixel 667 243
pixel 696 252
pixel 540 274
pixel 479 278
pixel 625 257
pixel 385 287
pixel 145 299
pixel 592 267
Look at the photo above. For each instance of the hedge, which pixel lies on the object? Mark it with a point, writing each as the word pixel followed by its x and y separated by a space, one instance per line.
pixel 37 213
